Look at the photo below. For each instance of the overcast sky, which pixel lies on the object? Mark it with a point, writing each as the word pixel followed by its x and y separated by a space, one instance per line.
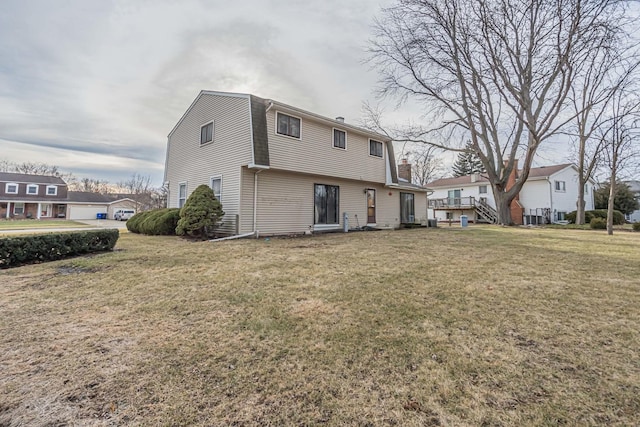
pixel 95 86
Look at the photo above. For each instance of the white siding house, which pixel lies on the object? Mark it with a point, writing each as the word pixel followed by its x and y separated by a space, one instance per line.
pixel 278 169
pixel 634 186
pixel 549 193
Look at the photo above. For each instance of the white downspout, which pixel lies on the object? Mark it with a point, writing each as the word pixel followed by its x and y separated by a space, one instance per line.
pixel 8 210
pixel 255 202
pixel 553 217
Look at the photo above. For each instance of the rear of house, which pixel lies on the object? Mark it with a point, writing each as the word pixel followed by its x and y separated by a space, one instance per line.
pixel 278 169
pixel 549 193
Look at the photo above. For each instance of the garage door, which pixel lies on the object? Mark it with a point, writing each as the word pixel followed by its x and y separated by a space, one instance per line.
pixel 85 212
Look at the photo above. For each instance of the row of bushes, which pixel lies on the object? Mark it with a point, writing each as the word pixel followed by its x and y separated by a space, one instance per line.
pixel 618 217
pixel 157 222
pixel 197 218
pixel 15 251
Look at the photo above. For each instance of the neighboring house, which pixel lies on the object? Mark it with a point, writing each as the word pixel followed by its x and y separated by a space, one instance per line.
pixel 634 186
pixel 44 197
pixel 85 205
pixel 549 193
pixel 32 196
pixel 278 169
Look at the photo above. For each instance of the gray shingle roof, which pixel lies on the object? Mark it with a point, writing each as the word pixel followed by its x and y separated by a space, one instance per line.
pixel 86 197
pixel 35 179
pixel 540 172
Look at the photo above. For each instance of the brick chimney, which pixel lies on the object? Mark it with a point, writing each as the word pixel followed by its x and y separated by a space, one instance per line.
pixel 517 210
pixel 404 170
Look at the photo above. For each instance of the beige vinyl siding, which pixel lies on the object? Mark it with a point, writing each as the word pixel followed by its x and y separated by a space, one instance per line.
pixel 314 153
pixel 189 162
pixel 286 202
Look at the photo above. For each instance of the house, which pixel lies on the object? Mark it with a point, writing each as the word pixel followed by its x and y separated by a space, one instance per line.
pixel 278 169
pixel 549 193
pixel 634 186
pixel 45 197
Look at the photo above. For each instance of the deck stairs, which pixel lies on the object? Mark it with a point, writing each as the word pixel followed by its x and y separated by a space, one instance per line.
pixel 487 212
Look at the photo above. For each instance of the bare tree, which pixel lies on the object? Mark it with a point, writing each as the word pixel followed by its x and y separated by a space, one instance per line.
pixel 592 93
pixel 140 189
pixel 426 166
pixel 621 142
pixel 494 72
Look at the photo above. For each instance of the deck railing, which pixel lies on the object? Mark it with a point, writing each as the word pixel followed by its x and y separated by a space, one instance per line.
pixel 452 202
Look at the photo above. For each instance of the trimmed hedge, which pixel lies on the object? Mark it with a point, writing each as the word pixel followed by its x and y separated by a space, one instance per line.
pixel 636 226
pixel 618 217
pixel 598 223
pixel 157 222
pixel 15 251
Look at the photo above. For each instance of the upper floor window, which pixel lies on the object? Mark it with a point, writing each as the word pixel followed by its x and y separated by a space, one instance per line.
pixel 375 148
pixel 11 188
pixel 586 189
pixel 216 186
pixel 288 125
pixel 339 139
pixel 52 190
pixel 206 133
pixel 182 194
pixel 482 189
pixel 560 186
pixel 32 189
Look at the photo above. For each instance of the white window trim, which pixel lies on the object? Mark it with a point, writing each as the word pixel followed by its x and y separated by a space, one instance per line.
pixel 211 178
pixel 562 190
pixel 282 134
pixel 369 149
pixel 55 193
pixel 486 189
pixel 32 186
pixel 186 191
pixel 15 205
pixel 213 132
pixel 333 142
pixel 6 188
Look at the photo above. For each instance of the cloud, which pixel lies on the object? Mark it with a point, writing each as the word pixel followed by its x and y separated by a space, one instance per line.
pixel 108 80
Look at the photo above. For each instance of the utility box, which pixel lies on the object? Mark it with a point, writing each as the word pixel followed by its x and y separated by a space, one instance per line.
pixel 464 220
pixel 432 222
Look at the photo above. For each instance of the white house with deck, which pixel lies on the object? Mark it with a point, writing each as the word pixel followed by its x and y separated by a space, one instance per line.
pixel 549 193
pixel 278 169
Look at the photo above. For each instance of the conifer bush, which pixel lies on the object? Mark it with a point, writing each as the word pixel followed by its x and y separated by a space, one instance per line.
pixel 598 224
pixel 200 213
pixel 156 222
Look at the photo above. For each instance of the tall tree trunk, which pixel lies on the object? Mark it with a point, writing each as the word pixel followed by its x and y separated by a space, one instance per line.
pixel 503 207
pixel 612 196
pixel 580 204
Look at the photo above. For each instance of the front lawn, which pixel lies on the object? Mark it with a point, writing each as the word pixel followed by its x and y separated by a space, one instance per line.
pixel 458 327
pixel 23 224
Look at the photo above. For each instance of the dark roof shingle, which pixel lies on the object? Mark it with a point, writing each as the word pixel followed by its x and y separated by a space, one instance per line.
pixel 35 179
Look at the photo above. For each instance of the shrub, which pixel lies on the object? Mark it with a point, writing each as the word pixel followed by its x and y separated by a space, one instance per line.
pixel 618 217
pixel 21 250
pixel 155 222
pixel 598 224
pixel 200 213
pixel 636 226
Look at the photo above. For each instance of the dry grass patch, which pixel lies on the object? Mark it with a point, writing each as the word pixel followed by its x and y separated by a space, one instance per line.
pixel 486 326
pixel 39 224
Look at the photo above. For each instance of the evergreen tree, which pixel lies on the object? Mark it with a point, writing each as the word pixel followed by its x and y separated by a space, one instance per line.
pixel 467 163
pixel 624 200
pixel 200 213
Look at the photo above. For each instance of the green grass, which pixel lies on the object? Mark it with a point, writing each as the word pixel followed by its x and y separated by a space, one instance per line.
pixel 484 326
pixel 23 224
